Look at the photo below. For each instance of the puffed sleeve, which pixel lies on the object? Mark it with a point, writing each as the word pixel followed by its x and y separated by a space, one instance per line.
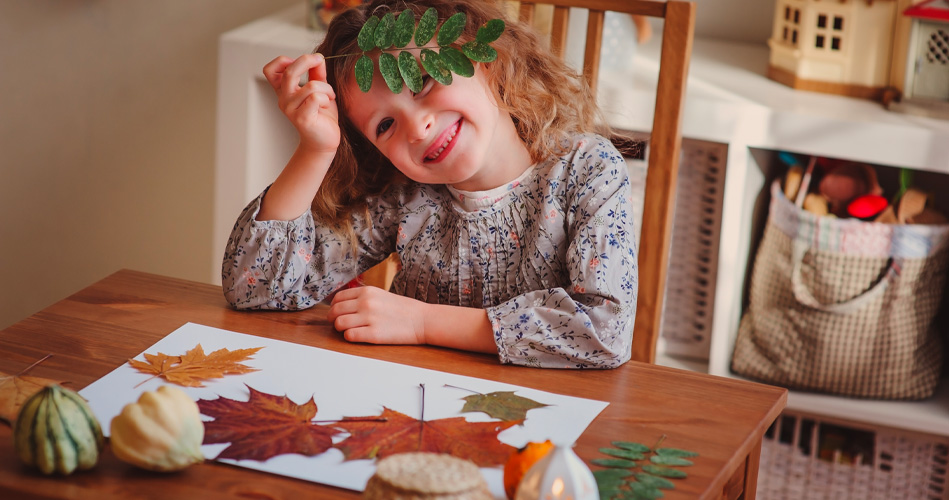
pixel 295 264
pixel 587 321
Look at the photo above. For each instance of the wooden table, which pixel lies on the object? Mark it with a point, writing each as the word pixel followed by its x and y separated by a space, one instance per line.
pixel 101 327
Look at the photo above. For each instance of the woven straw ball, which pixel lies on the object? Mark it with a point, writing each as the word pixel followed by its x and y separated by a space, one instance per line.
pixel 426 476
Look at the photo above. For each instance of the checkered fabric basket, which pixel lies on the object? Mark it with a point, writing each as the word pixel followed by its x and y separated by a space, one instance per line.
pixel 844 306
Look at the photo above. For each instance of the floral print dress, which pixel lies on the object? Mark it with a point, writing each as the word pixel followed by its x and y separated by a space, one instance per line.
pixel 551 257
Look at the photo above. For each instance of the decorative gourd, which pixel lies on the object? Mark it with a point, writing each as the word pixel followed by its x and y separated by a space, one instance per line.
pixel 163 431
pixel 57 432
pixel 520 462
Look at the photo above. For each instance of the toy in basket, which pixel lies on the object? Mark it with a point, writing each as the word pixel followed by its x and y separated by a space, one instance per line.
pixel 843 305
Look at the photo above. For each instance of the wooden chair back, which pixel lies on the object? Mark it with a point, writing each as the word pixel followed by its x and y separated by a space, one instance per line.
pixel 665 139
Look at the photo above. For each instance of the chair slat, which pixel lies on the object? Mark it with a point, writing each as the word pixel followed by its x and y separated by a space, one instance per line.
pixel 591 55
pixel 558 30
pixel 665 145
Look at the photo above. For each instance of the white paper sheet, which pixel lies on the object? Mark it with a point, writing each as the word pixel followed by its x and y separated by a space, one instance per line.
pixel 341 385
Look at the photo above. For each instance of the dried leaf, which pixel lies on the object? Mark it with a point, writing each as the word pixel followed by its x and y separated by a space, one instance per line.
pixel 475 441
pixel 264 426
pixel 503 405
pixel 194 367
pixel 16 389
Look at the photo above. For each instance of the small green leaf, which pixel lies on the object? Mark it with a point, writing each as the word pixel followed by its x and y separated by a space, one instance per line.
pixel 675 452
pixel 385 32
pixel 389 68
pixel 366 38
pixel 502 405
pixel 617 463
pixel 426 27
pixel 628 454
pixel 404 28
pixel 654 481
pixel 610 474
pixel 480 52
pixel 435 66
pixel 626 445
pixel 610 494
pixel 669 460
pixel 664 471
pixel 364 73
pixel 457 62
pixel 451 29
pixel 411 73
pixel 491 31
pixel 645 492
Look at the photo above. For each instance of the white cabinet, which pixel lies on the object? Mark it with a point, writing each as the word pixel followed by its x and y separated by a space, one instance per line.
pixel 729 103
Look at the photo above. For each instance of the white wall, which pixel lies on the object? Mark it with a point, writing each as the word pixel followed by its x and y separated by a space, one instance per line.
pixel 107 140
pixel 107 135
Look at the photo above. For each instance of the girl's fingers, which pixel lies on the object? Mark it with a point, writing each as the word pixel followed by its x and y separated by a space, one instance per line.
pixel 296 70
pixel 274 70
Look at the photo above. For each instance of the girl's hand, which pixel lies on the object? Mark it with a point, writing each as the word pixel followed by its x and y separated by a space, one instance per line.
pixel 311 108
pixel 373 315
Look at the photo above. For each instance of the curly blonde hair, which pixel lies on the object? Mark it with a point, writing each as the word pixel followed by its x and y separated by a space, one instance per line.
pixel 547 100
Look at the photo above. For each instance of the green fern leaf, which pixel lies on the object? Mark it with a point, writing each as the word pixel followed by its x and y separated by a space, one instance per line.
pixel 451 29
pixel 435 66
pixel 491 31
pixel 389 68
pixel 385 32
pixel 457 62
pixel 364 73
pixel 366 38
pixel 426 27
pixel 411 73
pixel 404 28
pixel 479 52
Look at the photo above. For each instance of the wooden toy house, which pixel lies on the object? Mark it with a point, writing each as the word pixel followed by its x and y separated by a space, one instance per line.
pixel 895 51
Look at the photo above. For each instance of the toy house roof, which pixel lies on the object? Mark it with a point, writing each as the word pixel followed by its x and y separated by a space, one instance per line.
pixel 929 9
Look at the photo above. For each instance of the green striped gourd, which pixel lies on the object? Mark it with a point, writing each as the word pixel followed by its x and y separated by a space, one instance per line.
pixel 57 432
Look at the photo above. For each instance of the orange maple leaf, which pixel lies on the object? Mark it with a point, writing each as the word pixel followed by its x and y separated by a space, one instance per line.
pixel 264 426
pixel 16 389
pixel 194 367
pixel 475 441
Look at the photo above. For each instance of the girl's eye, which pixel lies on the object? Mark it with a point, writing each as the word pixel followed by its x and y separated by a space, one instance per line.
pixel 383 126
pixel 427 83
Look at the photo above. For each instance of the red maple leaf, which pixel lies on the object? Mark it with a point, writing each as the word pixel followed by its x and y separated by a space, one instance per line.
pixel 399 433
pixel 264 426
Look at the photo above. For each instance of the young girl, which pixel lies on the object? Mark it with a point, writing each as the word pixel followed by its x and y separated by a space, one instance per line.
pixel 510 215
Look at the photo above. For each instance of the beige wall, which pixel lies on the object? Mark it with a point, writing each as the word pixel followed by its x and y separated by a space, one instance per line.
pixel 107 112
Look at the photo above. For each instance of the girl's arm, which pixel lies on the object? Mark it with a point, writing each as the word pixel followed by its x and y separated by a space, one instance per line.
pixel 276 257
pixel 311 108
pixel 370 314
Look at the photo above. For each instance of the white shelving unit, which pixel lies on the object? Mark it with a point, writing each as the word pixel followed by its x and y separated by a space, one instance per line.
pixel 729 102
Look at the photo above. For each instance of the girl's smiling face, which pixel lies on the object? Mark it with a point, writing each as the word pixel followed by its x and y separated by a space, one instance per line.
pixel 446 134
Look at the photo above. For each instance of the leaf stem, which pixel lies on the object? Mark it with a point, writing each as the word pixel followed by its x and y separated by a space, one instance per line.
pixel 351 419
pixel 397 49
pixel 28 368
pixel 462 388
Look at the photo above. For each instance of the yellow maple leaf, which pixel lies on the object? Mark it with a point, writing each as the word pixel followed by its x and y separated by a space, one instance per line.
pixel 194 367
pixel 16 389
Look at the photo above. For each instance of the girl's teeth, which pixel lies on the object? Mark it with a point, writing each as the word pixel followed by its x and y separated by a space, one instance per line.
pixel 447 142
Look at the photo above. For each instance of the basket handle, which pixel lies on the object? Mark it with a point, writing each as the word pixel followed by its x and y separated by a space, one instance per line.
pixel 804 296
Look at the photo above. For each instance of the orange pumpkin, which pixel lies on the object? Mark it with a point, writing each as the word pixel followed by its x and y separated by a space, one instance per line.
pixel 520 461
